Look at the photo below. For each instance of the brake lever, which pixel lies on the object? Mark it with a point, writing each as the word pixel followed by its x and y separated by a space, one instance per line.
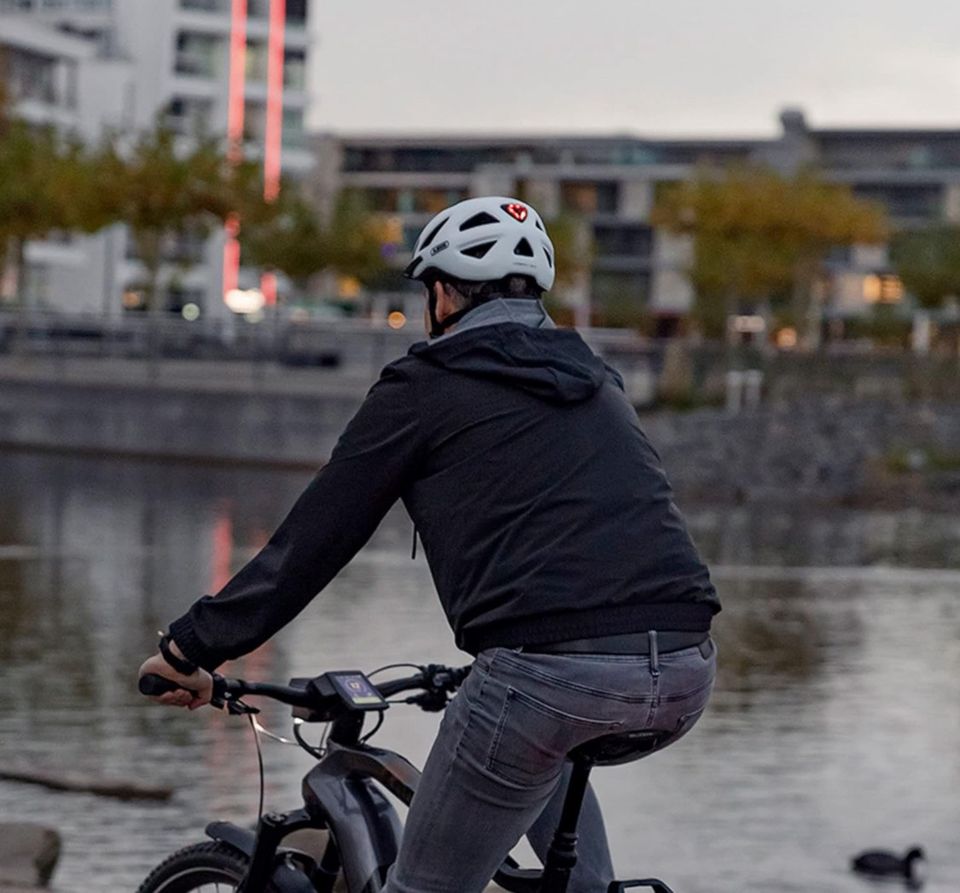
pixel 239 708
pixel 222 698
pixel 430 701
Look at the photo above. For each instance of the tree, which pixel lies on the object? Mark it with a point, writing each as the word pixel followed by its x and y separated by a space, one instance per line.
pixel 296 242
pixel 162 187
pixel 45 185
pixel 291 241
pixel 759 236
pixel 928 262
pixel 354 240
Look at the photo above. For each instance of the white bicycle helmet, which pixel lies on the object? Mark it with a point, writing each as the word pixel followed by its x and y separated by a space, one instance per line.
pixel 483 240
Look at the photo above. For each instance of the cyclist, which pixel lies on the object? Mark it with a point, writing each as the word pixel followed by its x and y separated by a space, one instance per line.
pixel 548 523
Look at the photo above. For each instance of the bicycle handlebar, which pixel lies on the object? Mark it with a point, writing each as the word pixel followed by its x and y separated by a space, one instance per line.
pixel 434 680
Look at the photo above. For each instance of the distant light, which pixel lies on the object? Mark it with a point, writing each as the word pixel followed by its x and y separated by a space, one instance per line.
pixel 882 289
pixel 244 300
pixel 787 337
pixel 132 299
pixel 749 325
pixel 891 289
pixel 190 312
pixel 396 320
pixel 348 287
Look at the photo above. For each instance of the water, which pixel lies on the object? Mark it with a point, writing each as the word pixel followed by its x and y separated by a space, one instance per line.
pixel 835 725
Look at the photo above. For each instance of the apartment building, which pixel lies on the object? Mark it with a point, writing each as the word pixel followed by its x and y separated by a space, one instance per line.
pixel 612 184
pixel 201 66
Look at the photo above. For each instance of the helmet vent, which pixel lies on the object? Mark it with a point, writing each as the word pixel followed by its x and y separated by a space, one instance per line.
pixel 523 249
pixel 549 258
pixel 433 234
pixel 478 251
pixel 539 225
pixel 481 219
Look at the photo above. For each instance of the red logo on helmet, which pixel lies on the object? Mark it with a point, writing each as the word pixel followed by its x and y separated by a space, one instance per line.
pixel 517 212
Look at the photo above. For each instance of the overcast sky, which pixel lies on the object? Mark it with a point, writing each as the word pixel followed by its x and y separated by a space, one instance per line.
pixel 649 67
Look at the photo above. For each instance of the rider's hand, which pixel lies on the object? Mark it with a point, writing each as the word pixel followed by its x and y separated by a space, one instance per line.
pixel 201 682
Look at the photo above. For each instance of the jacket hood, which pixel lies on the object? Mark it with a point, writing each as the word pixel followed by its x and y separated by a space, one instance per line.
pixel 554 364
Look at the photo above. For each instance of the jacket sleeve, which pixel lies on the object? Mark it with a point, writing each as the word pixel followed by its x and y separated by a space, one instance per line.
pixel 372 463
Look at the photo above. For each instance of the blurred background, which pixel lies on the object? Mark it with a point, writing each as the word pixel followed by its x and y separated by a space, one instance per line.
pixel 205 206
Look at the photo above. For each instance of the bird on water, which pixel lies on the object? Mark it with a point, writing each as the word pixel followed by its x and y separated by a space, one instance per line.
pixel 884 864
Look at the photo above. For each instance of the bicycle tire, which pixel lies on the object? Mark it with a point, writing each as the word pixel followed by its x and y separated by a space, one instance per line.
pixel 203 867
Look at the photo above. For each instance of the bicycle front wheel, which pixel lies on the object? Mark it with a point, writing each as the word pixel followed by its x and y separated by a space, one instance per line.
pixel 201 868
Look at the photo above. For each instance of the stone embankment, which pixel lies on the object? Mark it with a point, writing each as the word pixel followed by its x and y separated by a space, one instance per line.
pixel 829 450
pixel 875 441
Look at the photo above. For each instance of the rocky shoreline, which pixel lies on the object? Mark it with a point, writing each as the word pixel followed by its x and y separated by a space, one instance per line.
pixel 826 451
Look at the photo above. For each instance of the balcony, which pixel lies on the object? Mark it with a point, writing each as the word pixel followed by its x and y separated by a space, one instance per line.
pixel 215 6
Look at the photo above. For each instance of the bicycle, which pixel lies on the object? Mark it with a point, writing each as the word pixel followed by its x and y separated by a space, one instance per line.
pixel 341 795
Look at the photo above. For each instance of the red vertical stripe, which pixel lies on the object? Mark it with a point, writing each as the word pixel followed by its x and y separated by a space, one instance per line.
pixel 238 62
pixel 235 109
pixel 274 128
pixel 273 138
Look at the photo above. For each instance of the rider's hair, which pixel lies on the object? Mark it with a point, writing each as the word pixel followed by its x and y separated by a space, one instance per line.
pixel 476 293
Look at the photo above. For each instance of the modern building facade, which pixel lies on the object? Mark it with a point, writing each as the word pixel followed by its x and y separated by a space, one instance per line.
pixel 200 66
pixel 612 184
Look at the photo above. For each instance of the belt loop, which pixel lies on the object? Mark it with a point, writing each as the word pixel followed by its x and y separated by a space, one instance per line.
pixel 654 653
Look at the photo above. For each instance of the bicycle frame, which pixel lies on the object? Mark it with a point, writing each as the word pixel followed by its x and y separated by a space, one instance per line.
pixel 340 796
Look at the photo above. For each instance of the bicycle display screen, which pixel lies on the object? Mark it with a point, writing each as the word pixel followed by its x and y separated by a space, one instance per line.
pixel 357 691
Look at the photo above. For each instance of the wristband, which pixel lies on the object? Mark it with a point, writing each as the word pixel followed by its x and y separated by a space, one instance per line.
pixel 180 664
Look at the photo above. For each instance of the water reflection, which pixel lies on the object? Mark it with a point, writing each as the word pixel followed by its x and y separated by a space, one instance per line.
pixel 826 536
pixel 835 726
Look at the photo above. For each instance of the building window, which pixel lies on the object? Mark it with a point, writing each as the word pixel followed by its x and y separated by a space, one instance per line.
pixel 631 240
pixel 589 198
pixel 256 60
pixel 206 5
pixel 921 200
pixel 254 122
pixel 30 76
pixel 199 55
pixel 188 116
pixel 296 11
pixel 883 288
pixel 614 286
pixel 294 69
pixel 293 132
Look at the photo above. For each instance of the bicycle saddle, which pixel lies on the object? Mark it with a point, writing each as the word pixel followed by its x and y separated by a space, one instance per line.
pixel 621 747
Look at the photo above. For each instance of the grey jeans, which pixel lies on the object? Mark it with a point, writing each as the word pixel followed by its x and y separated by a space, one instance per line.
pixel 497 768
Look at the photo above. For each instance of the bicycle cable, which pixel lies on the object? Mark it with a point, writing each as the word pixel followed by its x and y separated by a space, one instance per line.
pixel 374 730
pixel 273 736
pixel 394 667
pixel 256 738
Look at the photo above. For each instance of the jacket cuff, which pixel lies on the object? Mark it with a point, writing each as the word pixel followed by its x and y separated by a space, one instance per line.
pixel 183 633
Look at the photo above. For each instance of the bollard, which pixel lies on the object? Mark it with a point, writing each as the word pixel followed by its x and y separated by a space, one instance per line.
pixel 734 392
pixel 752 388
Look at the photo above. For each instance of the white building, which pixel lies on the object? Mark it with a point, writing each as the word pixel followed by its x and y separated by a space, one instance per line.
pixel 93 64
pixel 611 184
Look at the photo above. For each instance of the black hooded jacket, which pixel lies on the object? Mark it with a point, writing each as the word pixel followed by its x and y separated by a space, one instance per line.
pixel 543 510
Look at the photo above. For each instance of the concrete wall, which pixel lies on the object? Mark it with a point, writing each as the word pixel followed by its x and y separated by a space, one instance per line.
pixel 144 420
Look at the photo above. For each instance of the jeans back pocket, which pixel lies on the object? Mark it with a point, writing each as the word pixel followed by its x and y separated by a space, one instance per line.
pixel 532 739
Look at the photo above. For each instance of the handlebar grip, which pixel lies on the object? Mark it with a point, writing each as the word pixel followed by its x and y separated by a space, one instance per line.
pixel 153 685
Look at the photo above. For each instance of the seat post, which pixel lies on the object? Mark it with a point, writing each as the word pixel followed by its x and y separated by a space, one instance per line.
pixel 562 855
